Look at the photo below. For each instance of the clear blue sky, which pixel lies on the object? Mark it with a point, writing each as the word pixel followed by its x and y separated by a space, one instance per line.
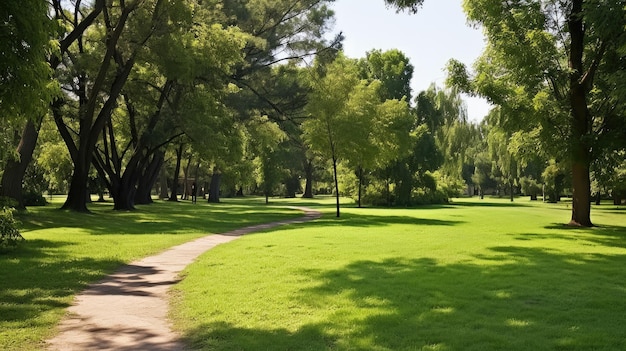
pixel 437 33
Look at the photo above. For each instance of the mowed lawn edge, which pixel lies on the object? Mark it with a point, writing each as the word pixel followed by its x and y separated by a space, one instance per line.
pixel 473 275
pixel 64 252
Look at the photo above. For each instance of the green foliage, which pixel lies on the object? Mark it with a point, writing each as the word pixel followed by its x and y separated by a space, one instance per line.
pixel 409 5
pixel 449 186
pixel 394 71
pixel 10 236
pixel 530 186
pixel 544 65
pixel 554 178
pixel 26 86
pixel 7 202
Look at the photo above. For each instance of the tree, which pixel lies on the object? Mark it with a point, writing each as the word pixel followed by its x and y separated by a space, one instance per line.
pixel 33 28
pixel 545 60
pixel 410 5
pixel 329 131
pixel 97 89
pixel 445 114
pixel 266 137
pixel 503 159
pixel 26 87
pixel 393 69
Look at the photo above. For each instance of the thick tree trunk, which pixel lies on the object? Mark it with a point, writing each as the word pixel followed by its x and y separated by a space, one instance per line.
pixel 14 170
pixel 124 195
pixel 77 195
pixel 617 198
pixel 581 204
pixel 580 119
pixel 148 179
pixel 214 187
pixel 308 187
pixel 179 156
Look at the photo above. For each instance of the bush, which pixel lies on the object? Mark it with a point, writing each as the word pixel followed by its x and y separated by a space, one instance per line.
pixel 34 199
pixel 6 201
pixel 9 234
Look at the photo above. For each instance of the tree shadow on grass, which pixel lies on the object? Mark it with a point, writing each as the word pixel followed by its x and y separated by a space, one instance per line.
pixel 487 203
pixel 364 220
pixel 160 217
pixel 37 282
pixel 517 298
pixel 604 235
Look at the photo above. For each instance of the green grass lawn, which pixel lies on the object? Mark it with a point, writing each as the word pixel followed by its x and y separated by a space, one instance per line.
pixel 473 275
pixel 65 251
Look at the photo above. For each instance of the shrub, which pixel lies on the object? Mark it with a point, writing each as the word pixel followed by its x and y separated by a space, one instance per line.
pixel 9 234
pixel 34 199
pixel 6 201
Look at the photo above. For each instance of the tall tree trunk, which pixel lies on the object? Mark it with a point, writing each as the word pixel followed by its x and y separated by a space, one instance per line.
pixel 580 119
pixel 179 156
pixel 214 187
pixel 360 184
pixel 511 188
pixel 148 178
pixel 336 183
pixel 14 170
pixel 186 190
pixel 308 187
pixel 163 184
pixel 77 194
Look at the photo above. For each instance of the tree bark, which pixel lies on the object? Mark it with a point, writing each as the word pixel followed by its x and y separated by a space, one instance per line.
pixel 580 120
pixel 360 184
pixel 308 187
pixel 179 156
pixel 163 184
pixel 336 183
pixel 148 179
pixel 14 170
pixel 186 190
pixel 214 187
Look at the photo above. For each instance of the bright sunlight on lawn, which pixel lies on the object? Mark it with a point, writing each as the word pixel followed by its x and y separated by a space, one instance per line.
pixel 474 275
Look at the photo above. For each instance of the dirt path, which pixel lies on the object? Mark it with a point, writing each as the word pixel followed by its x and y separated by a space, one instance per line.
pixel 128 309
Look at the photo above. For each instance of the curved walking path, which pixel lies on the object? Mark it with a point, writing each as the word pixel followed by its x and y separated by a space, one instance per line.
pixel 128 309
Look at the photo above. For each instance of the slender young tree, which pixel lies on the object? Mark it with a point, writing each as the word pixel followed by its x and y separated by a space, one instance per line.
pixel 329 130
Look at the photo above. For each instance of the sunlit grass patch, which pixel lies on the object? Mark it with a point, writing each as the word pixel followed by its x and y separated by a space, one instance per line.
pixel 472 275
pixel 64 252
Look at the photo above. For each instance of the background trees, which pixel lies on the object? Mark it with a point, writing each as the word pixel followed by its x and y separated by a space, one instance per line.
pixel 256 97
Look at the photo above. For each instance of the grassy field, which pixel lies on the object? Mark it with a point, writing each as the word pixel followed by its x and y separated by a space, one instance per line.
pixel 66 251
pixel 473 275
